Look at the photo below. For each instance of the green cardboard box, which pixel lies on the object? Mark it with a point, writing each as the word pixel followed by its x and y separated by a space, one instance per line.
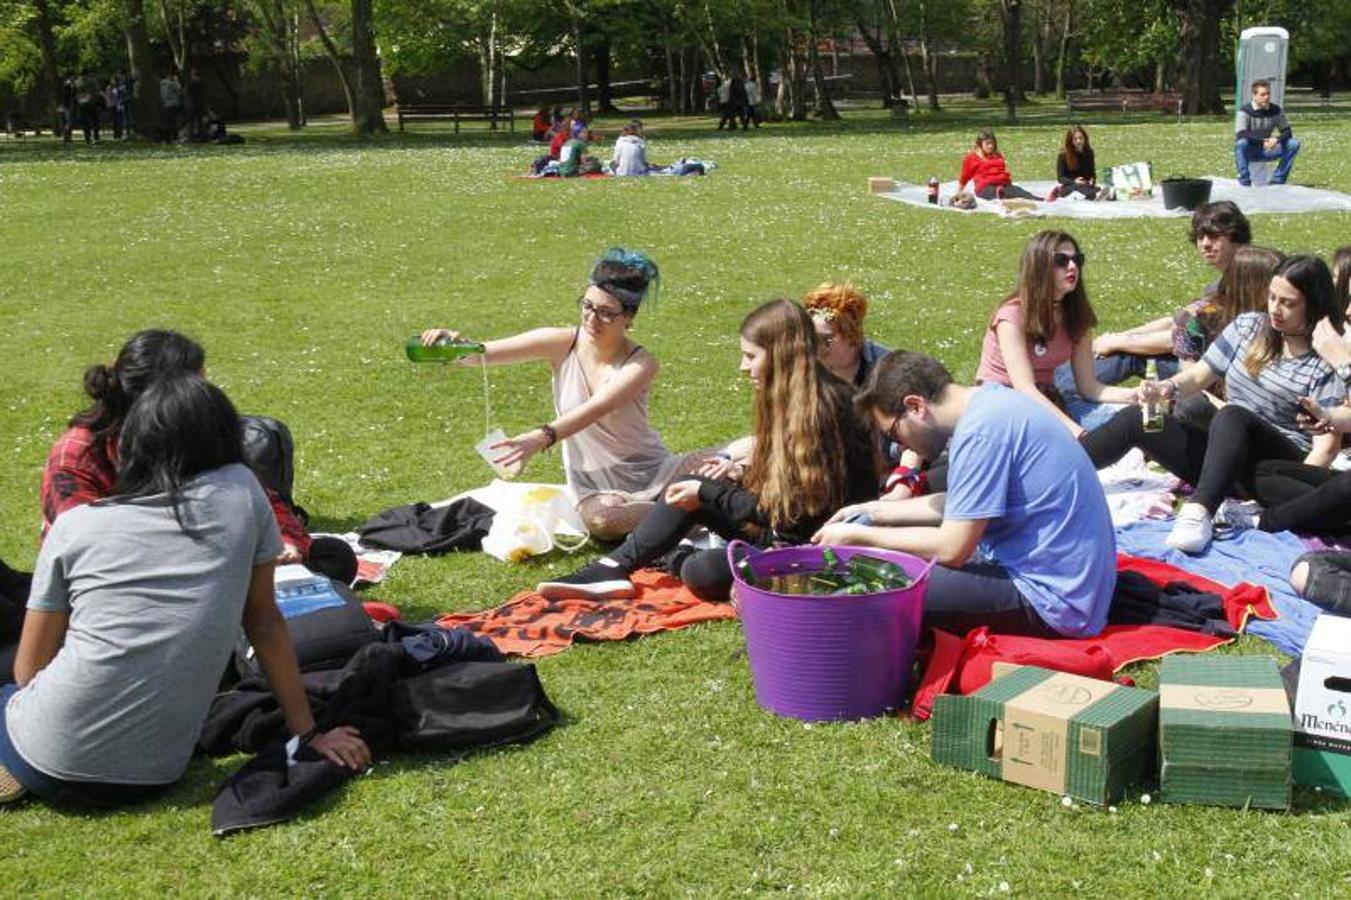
pixel 1048 730
pixel 1224 732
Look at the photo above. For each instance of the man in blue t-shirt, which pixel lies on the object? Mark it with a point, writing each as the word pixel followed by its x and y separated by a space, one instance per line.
pixel 1020 491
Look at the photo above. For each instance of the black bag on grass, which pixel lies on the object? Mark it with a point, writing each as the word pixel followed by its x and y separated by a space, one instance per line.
pixel 324 638
pixel 469 705
pixel 270 452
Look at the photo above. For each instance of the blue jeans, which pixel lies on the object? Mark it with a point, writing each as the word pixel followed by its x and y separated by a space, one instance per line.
pixel 1246 151
pixel 1112 369
pixel 56 791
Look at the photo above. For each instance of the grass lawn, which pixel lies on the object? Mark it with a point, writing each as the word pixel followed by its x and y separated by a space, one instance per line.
pixel 302 263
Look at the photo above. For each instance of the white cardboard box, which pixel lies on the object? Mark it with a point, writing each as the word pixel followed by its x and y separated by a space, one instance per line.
pixel 1323 707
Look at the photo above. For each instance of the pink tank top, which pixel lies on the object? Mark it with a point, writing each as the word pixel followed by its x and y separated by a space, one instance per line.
pixel 1046 357
pixel 618 452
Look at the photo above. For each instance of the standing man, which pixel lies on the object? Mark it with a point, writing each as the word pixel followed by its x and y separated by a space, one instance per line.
pixel 1020 490
pixel 1263 133
pixel 171 100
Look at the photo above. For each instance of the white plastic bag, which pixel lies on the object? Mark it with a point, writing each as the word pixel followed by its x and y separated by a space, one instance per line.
pixel 542 519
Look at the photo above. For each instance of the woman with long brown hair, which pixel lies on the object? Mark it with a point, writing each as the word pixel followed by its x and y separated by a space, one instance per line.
pixel 1076 170
pixel 1045 322
pixel 812 455
pixel 1268 363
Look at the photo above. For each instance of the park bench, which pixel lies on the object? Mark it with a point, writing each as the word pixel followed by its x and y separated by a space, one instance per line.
pixel 457 113
pixel 1123 101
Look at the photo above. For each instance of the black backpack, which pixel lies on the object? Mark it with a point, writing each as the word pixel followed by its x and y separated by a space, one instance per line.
pixel 270 452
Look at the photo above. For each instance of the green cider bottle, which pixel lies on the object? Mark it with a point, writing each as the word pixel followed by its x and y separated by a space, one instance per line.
pixel 443 351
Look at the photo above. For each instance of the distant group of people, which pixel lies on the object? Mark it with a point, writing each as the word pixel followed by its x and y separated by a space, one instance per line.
pixel 91 103
pixel 1263 134
pixel 186 114
pixel 86 101
pixel 739 101
pixel 569 138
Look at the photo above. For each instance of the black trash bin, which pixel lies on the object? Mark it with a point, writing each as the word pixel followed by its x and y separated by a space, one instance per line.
pixel 1187 193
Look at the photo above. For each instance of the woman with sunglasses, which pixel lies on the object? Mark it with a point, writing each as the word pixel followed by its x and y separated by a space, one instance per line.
pixel 1047 321
pixel 615 463
pixel 813 453
pixel 1268 363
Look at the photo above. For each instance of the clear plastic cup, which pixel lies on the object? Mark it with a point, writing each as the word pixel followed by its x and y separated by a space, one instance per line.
pixel 490 456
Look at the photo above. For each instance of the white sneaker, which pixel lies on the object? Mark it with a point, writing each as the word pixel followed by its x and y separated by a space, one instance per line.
pixel 1193 529
pixel 1238 515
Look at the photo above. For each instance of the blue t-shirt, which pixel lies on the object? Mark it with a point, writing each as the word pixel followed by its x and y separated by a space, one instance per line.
pixel 1014 463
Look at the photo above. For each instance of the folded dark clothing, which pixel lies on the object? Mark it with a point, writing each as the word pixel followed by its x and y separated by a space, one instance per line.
pixel 1140 601
pixel 422 528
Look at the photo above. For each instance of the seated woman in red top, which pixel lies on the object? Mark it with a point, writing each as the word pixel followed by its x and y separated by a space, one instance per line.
pixel 82 464
pixel 984 168
pixel 1047 321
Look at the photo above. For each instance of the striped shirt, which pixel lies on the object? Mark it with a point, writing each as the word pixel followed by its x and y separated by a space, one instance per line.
pixel 1274 394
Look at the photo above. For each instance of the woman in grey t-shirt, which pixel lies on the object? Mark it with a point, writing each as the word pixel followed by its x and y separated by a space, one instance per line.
pixel 135 604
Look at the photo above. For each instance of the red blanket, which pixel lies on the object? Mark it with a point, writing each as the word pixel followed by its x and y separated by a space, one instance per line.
pixel 529 625
pixel 967 664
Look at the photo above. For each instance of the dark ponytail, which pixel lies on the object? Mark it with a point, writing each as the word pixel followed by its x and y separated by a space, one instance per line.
pixel 180 426
pixel 147 356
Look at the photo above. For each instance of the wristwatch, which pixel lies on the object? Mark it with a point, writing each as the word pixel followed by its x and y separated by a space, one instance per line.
pixel 1344 373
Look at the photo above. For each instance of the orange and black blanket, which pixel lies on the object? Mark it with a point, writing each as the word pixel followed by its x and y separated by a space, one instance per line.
pixel 529 625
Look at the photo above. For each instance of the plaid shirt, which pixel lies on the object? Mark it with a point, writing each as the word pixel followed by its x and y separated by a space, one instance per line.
pixel 77 473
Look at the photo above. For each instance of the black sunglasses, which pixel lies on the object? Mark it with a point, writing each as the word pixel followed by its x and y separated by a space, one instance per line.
pixel 1062 260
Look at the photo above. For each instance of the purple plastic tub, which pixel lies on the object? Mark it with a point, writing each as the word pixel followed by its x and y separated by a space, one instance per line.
pixel 824 658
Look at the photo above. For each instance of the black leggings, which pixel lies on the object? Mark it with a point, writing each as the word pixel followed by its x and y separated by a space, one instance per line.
pixel 1006 192
pixel 1215 461
pixel 1301 497
pixel 705 572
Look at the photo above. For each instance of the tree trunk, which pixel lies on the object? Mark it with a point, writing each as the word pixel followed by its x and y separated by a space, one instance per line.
pixel 1064 53
pixel 1039 41
pixel 334 57
pixel 714 49
pixel 50 80
pixel 672 84
pixel 604 101
pixel 368 116
pixel 579 55
pixel 487 63
pixel 279 29
pixel 145 93
pixel 909 75
pixel 1011 13
pixel 927 54
pixel 824 108
pixel 886 65
pixel 1198 76
pixel 178 45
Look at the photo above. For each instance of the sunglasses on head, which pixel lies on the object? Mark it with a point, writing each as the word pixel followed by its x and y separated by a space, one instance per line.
pixel 1062 260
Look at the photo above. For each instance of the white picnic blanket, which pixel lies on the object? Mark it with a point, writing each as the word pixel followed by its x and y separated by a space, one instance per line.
pixel 1272 198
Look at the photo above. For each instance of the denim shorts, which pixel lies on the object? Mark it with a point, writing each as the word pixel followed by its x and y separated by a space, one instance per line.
pixel 56 791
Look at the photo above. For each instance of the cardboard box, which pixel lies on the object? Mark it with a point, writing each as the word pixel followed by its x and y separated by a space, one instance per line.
pixel 1323 708
pixel 1048 730
pixel 1224 732
pixel 881 185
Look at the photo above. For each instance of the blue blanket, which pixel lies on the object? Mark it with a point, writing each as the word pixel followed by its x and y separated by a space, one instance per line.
pixel 1253 556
